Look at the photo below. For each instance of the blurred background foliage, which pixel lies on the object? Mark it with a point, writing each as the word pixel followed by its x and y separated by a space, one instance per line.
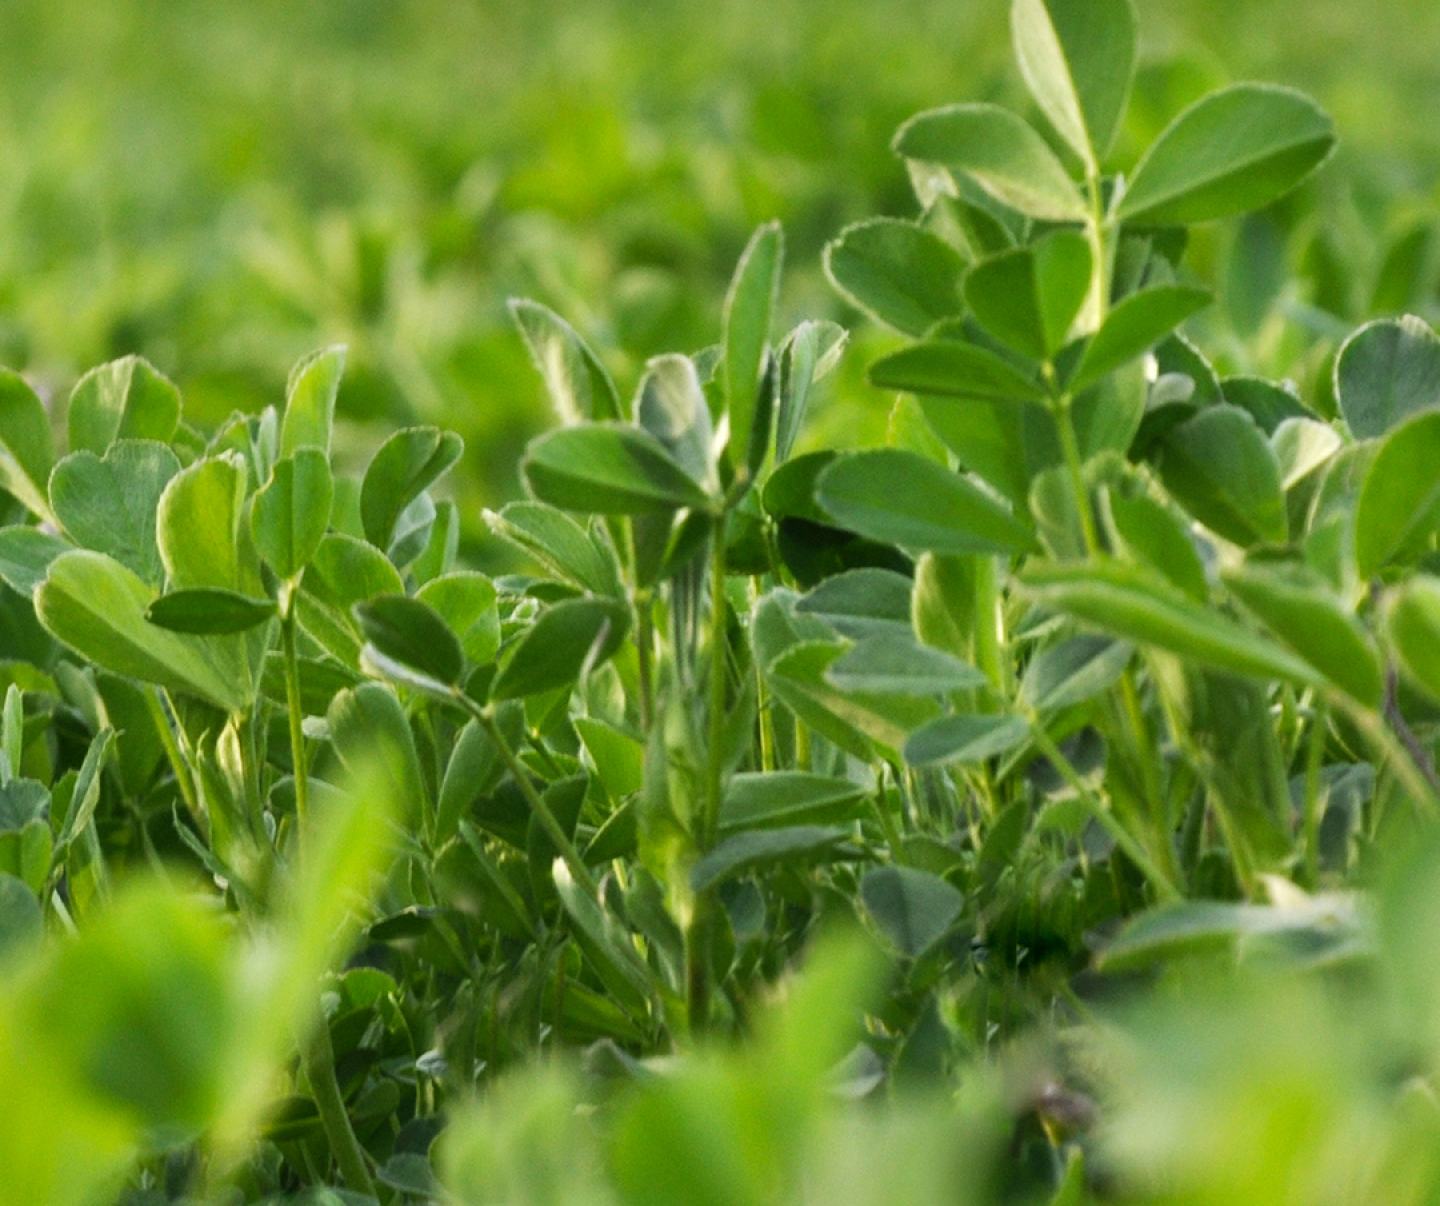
pixel 222 186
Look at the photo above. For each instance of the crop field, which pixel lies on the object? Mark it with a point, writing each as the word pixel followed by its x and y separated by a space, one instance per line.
pixel 726 604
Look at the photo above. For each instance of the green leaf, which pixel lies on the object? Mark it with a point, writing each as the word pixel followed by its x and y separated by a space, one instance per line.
pixel 763 800
pixel 1140 606
pixel 408 462
pixel 1221 469
pixel 1073 671
pixel 373 739
pixel 949 368
pixel 1232 151
pixel 409 642
pixel 1150 534
pixel 670 405
pixel 755 849
pixel 1399 503
pixel 343 572
pixel 608 469
pixel 561 546
pixel 127 399
pixel 897 272
pixel 25 555
pixel 579 387
pixel 1000 152
pixel 199 528
pixel 895 664
pixel 22 922
pixel 1412 624
pixel 310 401
pixel 109 503
pixel 466 602
pixel 1029 297
pixel 27 449
pixel 607 946
pixel 965 740
pixel 749 307
pixel 206 611
pixel 1300 610
pixel 861 603
pixel 557 648
pixel 97 607
pixel 1078 58
pixel 810 352
pixel 1386 372
pixel 912 908
pixel 905 499
pixel 290 513
pixel 1133 327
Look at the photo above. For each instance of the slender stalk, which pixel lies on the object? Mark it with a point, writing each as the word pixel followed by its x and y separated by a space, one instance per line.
pixel 183 783
pixel 644 652
pixel 715 715
pixel 1314 756
pixel 319 1059
pixel 1075 468
pixel 295 715
pixel 558 837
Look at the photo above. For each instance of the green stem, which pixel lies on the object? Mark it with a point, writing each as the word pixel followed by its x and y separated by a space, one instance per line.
pixel 579 872
pixel 296 718
pixel 1165 886
pixel 1075 468
pixel 715 716
pixel 1315 754
pixel 644 651
pixel 319 1059
pixel 183 783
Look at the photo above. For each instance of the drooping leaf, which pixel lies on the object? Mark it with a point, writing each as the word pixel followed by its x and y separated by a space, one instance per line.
pixel 97 607
pixel 1235 150
pixel 291 512
pixel 1386 372
pixel 558 543
pixel 1140 606
pixel 965 740
pixel 1029 297
pixel 407 463
pixel 1000 152
pixel 466 602
pixel 407 642
pixel 1073 671
pixel 908 500
pixel 897 272
pixel 568 637
pixel 579 387
pixel 1306 616
pixel 895 664
pixel 207 611
pixel 608 469
pixel 756 849
pixel 912 908
pixel 127 399
pixel 1078 58
pixel 860 603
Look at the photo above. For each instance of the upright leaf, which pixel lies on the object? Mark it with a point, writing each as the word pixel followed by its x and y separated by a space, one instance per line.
pixel 127 399
pixel 1078 58
pixel 407 463
pixel 579 387
pixel 290 513
pixel 1029 297
pixel 567 638
pixel 1386 372
pixel 749 308
pixel 1399 504
pixel 27 449
pixel 1221 469
pixel 310 401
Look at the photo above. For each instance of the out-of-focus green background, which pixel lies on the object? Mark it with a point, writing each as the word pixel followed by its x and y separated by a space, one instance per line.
pixel 222 185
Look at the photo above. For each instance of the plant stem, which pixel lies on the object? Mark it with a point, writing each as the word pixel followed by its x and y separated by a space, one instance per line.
pixel 558 837
pixel 1314 756
pixel 183 783
pixel 319 1059
pixel 297 730
pixel 715 714
pixel 644 639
